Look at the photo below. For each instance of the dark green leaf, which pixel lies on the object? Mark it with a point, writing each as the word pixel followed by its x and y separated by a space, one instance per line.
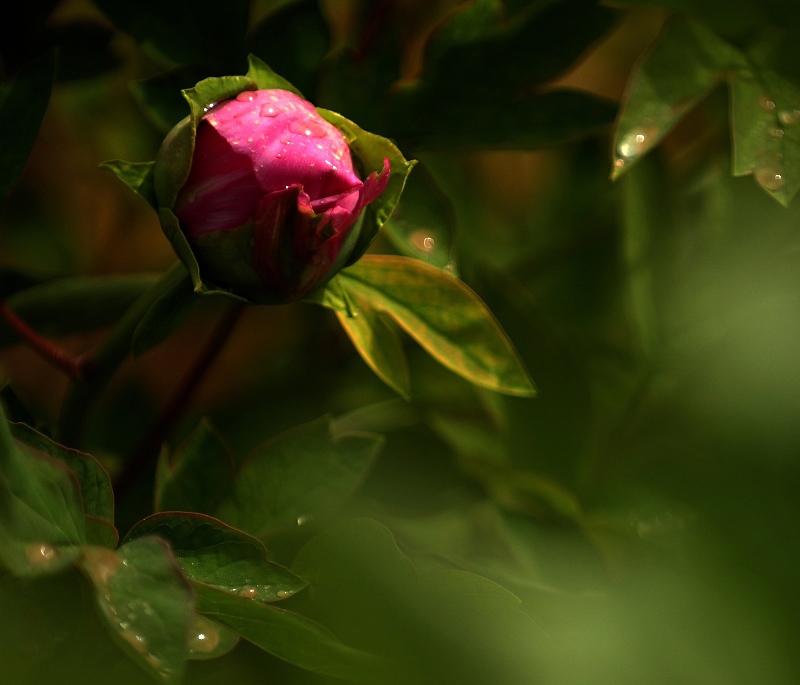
pixel 165 316
pixel 23 102
pixel 265 78
pixel 293 40
pixel 100 532
pixel 424 223
pixel 74 305
pixel 538 121
pixel 41 517
pixel 287 635
pixel 146 602
pixel 95 485
pixel 84 49
pixel 197 475
pixel 211 553
pixel 305 473
pixel 444 316
pixel 160 98
pixel 138 176
pixel 659 95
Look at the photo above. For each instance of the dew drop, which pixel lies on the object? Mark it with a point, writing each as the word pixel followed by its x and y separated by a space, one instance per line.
pixel 766 103
pixel 40 555
pixel 789 117
pixel 283 594
pixel 634 143
pixel 278 155
pixel 205 636
pixel 619 163
pixel 422 241
pixel 249 140
pixel 245 96
pixel 249 592
pixel 153 661
pixel 769 179
pixel 776 132
pixel 213 122
pixel 308 128
pixel 103 563
pixel 138 642
pixel 268 111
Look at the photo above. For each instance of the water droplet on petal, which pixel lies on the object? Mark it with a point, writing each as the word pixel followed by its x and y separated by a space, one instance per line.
pixel 789 117
pixel 268 111
pixel 245 96
pixel 249 592
pixel 769 179
pixel 40 555
pixel 204 636
pixel 766 103
pixel 278 156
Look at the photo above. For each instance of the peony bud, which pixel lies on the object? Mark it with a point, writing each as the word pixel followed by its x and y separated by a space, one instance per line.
pixel 271 204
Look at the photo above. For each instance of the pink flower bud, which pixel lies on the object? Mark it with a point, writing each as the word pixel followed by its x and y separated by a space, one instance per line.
pixel 267 160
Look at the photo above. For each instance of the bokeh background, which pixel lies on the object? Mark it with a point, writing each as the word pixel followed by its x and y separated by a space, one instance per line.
pixel 639 518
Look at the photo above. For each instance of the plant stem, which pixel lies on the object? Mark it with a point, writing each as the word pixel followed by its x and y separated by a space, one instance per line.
pixel 106 359
pixel 163 426
pixel 69 364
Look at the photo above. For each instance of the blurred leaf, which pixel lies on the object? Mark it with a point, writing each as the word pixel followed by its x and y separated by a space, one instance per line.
pixel 303 474
pixel 209 639
pixel 145 601
pixel 375 338
pixel 265 77
pixel 424 223
pixel 499 123
pixel 433 625
pixel 444 316
pixel 73 305
pixel 287 635
pixel 100 532
pixel 41 517
pixel 23 101
pixel 84 49
pixel 165 316
pixel 197 475
pixel 765 113
pixel 293 40
pixel 95 485
pixel 216 555
pixel 178 32
pixel 475 50
pixel 138 176
pixel 659 95
pixel 160 99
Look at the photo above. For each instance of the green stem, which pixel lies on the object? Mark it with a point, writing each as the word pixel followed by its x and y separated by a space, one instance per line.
pixel 100 366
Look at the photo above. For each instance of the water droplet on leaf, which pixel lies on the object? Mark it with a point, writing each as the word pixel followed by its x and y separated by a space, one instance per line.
pixel 205 636
pixel 789 117
pixel 635 143
pixel 283 594
pixel 40 555
pixel 776 133
pixel 766 103
pixel 249 592
pixel 769 179
pixel 422 241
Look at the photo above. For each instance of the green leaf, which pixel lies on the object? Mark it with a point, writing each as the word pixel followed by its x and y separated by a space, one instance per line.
pixel 197 475
pixel 370 150
pixel 23 101
pixel 659 95
pixel 303 474
pixel 41 518
pixel 287 635
pixel 211 553
pixel 444 316
pixel 145 601
pixel 138 176
pixel 293 40
pixel 100 532
pixel 165 316
pixel 765 118
pixel 73 305
pixel 424 223
pixel 375 338
pixel 494 123
pixel 95 485
pixel 431 622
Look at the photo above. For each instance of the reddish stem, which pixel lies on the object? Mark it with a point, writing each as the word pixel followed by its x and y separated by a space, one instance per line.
pixel 181 397
pixel 69 364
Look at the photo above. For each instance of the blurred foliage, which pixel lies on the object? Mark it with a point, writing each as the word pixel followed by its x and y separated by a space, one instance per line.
pixel 635 521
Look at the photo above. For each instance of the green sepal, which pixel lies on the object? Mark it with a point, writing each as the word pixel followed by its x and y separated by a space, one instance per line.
pixel 260 72
pixel 138 176
pixel 370 150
